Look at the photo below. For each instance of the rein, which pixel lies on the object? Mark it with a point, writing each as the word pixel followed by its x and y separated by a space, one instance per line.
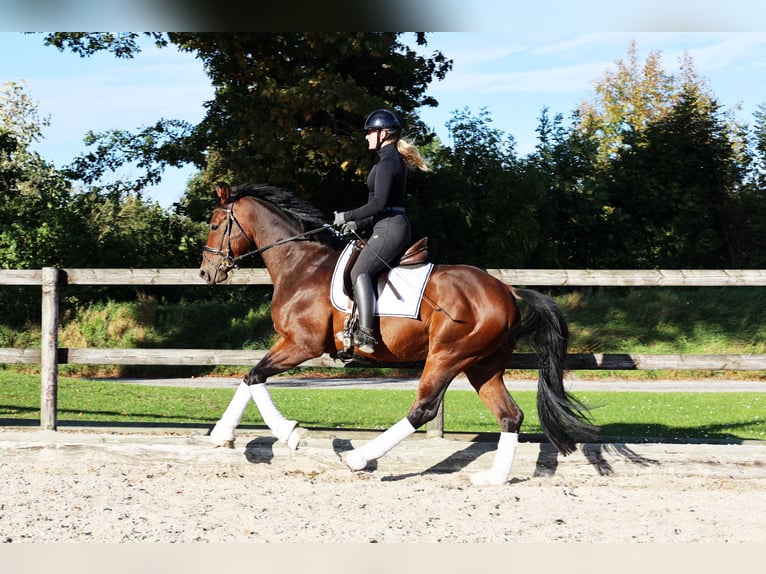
pixel 228 262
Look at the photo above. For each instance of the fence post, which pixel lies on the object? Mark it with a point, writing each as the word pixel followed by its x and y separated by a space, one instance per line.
pixel 49 349
pixel 435 427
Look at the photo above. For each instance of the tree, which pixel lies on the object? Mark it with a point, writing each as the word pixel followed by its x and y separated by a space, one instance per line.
pixel 32 192
pixel 473 204
pixel 626 101
pixel 758 154
pixel 288 107
pixel 44 222
pixel 673 189
pixel 751 200
pixel 565 169
pixel 669 161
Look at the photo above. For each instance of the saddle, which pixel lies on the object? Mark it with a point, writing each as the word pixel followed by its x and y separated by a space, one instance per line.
pixel 415 254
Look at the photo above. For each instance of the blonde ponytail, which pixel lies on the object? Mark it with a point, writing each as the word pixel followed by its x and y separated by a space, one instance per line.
pixel 411 155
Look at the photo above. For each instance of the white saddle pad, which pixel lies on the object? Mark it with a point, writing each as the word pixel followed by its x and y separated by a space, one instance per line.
pixel 399 291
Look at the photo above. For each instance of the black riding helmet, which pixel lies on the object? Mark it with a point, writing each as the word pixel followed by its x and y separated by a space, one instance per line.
pixel 383 120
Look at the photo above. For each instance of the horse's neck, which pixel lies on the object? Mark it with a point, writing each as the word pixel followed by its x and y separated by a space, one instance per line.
pixel 300 261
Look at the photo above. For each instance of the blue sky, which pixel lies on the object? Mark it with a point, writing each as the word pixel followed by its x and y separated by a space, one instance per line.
pixel 516 75
pixel 512 74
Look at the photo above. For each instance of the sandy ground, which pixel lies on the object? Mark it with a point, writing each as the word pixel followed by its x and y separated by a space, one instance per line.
pixel 86 486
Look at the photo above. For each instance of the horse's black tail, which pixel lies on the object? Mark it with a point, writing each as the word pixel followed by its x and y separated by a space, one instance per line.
pixel 563 417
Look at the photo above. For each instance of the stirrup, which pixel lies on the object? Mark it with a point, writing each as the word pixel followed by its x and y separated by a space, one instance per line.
pixel 346 336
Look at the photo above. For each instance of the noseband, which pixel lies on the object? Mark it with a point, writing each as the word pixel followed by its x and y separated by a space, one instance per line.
pixel 228 261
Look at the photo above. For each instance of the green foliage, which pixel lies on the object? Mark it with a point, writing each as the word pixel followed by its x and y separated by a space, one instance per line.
pixel 152 149
pixel 676 213
pixel 616 320
pixel 122 45
pixel 749 237
pixel 288 108
pixel 564 173
pixel 474 205
pixel 651 173
pixel 44 222
pixel 146 322
pixel 33 195
pixel 674 321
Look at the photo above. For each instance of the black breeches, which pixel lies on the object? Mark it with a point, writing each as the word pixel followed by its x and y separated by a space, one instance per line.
pixel 390 237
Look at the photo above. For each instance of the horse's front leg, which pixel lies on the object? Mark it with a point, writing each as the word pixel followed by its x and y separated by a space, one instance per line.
pixel 223 432
pixel 282 357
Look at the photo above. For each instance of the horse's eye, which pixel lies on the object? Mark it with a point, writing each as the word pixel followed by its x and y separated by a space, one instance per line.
pixel 214 227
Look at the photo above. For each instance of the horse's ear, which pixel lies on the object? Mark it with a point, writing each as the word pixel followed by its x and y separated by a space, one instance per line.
pixel 223 192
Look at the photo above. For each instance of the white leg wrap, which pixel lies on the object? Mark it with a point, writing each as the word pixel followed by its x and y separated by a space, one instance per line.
pixel 358 458
pixel 279 425
pixel 223 431
pixel 501 467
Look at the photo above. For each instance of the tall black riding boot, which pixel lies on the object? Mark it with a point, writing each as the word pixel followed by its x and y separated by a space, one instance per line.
pixel 364 295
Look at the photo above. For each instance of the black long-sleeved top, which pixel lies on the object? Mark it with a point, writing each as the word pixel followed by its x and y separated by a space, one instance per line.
pixel 387 183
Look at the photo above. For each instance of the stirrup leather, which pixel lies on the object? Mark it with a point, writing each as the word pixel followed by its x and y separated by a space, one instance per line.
pixel 350 327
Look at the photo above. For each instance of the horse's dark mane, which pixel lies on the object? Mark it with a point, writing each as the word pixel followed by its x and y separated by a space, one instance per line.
pixel 306 214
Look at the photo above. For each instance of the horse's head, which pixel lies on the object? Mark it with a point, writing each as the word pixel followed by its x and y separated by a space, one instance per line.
pixel 227 241
pixel 264 213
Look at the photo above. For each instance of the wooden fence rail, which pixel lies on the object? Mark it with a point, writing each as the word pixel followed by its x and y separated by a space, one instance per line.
pixel 50 355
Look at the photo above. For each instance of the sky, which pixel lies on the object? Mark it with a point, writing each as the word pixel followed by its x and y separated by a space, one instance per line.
pixel 514 75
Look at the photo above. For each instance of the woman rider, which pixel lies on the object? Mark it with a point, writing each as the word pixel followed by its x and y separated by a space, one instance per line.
pixel 391 228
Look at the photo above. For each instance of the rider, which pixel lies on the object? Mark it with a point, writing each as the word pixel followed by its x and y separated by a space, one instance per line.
pixel 391 228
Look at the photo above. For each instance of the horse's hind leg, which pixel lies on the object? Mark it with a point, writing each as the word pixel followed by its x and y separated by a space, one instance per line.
pixel 433 383
pixel 495 396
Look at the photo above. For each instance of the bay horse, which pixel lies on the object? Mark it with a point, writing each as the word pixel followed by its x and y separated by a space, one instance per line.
pixel 469 322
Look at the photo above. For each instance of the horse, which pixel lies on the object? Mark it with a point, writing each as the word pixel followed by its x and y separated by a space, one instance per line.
pixel 468 322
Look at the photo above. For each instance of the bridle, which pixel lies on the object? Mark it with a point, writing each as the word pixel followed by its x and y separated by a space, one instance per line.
pixel 228 261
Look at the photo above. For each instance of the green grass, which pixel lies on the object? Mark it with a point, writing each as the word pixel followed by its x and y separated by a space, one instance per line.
pixel 688 415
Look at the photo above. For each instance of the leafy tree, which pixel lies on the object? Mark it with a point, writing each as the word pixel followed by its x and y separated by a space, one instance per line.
pixel 750 250
pixel 33 229
pixel 673 189
pixel 565 168
pixel 474 205
pixel 287 107
pixel 757 173
pixel 44 222
pixel 669 162
pixel 626 101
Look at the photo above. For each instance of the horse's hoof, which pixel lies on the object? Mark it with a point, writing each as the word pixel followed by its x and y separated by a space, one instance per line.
pixel 293 441
pixel 355 460
pixel 222 443
pixel 487 478
pixel 286 428
pixel 222 436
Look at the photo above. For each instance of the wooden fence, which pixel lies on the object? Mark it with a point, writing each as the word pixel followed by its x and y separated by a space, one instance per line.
pixel 49 355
